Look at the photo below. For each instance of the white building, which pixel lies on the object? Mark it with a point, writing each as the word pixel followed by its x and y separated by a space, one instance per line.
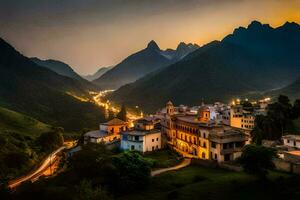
pixel 291 141
pixel 108 132
pixel 143 137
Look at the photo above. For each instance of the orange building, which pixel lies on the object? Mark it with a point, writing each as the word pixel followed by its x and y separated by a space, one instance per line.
pixel 195 135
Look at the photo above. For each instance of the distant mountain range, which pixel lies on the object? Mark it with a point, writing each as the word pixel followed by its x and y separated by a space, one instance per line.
pixel 99 73
pixel 43 94
pixel 141 63
pixel 252 59
pixel 63 69
pixel 292 90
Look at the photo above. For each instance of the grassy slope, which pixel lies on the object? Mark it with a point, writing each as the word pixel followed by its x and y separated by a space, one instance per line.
pixel 15 122
pixel 205 183
pixel 18 133
pixel 164 158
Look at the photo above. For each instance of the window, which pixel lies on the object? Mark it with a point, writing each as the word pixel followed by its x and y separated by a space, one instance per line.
pixel 213 144
pixel 204 135
pixel 153 148
pixel 204 144
pixel 152 140
pixel 216 156
pixel 156 139
pixel 132 147
pixel 203 155
pixel 294 143
pixel 226 157
pixel 156 146
pixel 136 138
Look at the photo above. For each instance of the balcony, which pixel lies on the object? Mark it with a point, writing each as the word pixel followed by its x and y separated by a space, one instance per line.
pixel 231 150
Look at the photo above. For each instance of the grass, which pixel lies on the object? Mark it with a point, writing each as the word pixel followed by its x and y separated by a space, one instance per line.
pixel 196 182
pixel 16 122
pixel 164 158
pixel 18 134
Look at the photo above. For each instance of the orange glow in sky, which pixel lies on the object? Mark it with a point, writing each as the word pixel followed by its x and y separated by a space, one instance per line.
pixel 91 36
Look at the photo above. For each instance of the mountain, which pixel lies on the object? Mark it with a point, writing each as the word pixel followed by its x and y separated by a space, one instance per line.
pixel 292 90
pixel 99 73
pixel 251 59
pixel 142 63
pixel 43 94
pixel 58 67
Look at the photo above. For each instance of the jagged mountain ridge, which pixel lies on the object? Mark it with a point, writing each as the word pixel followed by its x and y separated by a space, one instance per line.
pixel 252 59
pixel 141 63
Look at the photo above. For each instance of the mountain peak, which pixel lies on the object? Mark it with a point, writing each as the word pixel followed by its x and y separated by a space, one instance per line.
pixel 255 25
pixel 181 45
pixel 290 25
pixel 152 45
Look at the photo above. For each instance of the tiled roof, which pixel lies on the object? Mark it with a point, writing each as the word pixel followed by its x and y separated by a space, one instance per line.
pixel 115 122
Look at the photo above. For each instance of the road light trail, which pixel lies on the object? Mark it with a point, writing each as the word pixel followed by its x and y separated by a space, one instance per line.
pixel 37 173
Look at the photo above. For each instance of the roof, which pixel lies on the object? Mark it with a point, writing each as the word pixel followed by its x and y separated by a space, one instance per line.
pixel 292 137
pixel 96 134
pixel 115 122
pixel 140 132
pixel 204 108
pixel 170 103
pixel 193 120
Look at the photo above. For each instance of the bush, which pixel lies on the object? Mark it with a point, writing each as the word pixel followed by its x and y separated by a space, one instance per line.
pixel 50 141
pixel 257 160
pixel 134 170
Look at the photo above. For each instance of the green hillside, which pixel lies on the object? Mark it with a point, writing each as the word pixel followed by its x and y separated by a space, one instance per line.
pixel 15 122
pixel 19 151
pixel 38 92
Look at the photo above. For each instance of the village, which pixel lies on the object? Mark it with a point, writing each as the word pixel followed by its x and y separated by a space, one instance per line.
pixel 209 132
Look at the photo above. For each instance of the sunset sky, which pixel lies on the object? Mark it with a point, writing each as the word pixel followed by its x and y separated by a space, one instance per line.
pixel 89 34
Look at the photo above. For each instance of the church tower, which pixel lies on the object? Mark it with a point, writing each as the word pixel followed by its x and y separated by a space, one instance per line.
pixel 204 114
pixel 169 108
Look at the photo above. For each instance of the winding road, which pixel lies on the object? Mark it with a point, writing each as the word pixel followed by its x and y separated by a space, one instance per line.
pixel 186 162
pixel 38 172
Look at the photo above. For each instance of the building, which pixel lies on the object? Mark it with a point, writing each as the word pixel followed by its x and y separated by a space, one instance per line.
pixel 241 118
pixel 108 132
pixel 144 137
pixel 201 137
pixel 292 141
pixel 226 145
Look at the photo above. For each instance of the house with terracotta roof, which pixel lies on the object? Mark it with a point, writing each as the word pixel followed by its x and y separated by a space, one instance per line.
pixel 108 132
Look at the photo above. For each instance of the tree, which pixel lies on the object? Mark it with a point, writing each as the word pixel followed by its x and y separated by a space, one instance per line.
pixel 87 192
pixel 296 109
pixel 94 162
pixel 134 170
pixel 122 114
pixel 49 141
pixel 257 160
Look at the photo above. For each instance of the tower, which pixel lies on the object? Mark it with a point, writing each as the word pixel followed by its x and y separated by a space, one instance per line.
pixel 169 108
pixel 204 114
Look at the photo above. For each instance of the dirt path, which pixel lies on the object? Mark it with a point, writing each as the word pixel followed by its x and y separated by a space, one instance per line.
pixel 184 163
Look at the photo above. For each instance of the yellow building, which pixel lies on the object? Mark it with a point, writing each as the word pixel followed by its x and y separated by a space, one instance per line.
pixel 200 137
pixel 242 119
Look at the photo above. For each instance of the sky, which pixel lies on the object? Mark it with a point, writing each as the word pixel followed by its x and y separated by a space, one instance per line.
pixel 90 34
